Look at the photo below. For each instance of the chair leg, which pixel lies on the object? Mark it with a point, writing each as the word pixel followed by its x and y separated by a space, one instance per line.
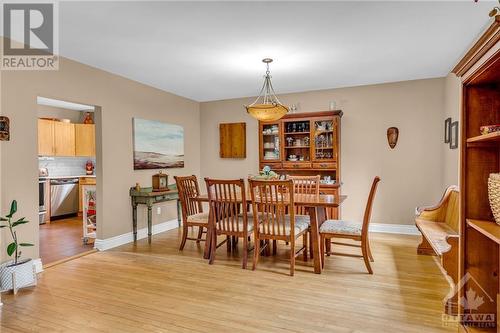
pixel 292 257
pixel 228 244
pixel 184 236
pixel 200 234
pixel 369 251
pixel 275 246
pixel 245 252
pixel 256 252
pixel 304 240
pixel 364 249
pixel 323 241
pixel 311 248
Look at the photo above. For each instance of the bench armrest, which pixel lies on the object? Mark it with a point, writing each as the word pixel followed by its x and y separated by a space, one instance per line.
pixel 438 211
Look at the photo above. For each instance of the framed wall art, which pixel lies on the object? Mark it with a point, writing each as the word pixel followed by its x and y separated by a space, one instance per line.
pixel 157 145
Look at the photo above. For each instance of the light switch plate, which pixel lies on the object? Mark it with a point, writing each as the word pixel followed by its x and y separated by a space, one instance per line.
pixel 158 210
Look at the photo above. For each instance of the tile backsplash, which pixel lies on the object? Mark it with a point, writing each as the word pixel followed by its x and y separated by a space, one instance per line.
pixel 64 166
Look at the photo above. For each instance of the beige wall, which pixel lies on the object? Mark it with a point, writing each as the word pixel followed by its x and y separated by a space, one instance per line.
pixel 411 173
pixel 59 113
pixel 120 100
pixel 452 105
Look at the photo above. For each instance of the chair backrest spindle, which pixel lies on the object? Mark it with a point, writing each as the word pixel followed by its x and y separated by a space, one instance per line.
pixel 270 202
pixel 188 190
pixel 225 198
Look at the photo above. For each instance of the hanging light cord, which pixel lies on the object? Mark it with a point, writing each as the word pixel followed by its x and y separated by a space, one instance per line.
pixel 267 91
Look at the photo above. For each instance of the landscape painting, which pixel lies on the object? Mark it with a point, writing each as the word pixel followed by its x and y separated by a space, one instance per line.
pixel 157 145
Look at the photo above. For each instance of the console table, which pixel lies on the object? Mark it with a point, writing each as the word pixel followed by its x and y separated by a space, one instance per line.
pixel 147 197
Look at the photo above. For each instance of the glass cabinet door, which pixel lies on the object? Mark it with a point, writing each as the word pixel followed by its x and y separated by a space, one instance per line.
pixel 297 140
pixel 324 140
pixel 270 142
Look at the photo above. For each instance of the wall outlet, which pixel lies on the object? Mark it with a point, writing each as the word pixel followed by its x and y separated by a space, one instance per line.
pixel 158 210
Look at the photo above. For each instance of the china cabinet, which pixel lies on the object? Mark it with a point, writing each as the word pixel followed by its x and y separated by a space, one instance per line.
pixel 304 144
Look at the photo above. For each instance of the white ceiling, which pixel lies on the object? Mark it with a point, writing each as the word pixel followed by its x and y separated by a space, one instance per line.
pixel 208 51
pixel 63 104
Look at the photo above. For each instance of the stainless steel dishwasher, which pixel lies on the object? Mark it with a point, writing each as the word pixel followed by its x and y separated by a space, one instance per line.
pixel 63 196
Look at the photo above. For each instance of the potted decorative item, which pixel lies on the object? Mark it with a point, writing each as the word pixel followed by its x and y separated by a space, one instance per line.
pixel 266 174
pixel 15 273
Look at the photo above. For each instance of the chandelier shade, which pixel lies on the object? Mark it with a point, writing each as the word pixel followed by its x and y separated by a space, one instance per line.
pixel 267 106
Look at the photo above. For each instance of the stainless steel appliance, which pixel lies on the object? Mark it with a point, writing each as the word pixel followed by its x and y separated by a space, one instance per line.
pixel 63 196
pixel 43 199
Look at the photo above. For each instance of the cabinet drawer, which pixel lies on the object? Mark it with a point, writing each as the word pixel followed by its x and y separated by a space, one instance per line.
pixel 272 165
pixel 326 190
pixel 324 165
pixel 296 165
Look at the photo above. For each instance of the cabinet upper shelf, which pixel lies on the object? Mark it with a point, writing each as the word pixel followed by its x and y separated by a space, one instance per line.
pixel 490 137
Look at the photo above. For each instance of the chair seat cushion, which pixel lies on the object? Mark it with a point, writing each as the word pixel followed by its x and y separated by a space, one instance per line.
pixel 306 217
pixel 198 218
pixel 341 227
pixel 226 226
pixel 302 222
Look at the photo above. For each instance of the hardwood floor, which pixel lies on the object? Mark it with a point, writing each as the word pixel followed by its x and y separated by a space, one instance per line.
pixel 62 239
pixel 142 288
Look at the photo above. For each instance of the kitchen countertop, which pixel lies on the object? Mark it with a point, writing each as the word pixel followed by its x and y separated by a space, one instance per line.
pixel 62 177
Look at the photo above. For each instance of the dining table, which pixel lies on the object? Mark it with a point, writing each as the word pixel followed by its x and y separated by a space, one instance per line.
pixel 316 206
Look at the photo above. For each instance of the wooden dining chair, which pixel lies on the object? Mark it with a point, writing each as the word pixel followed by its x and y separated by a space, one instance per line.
pixel 305 185
pixel 225 198
pixel 350 230
pixel 274 218
pixel 192 210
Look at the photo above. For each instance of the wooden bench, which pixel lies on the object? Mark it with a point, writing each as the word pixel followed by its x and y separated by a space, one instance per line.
pixel 439 226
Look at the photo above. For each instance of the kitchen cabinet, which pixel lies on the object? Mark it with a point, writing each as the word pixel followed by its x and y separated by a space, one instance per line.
pixel 84 139
pixel 45 137
pixel 64 139
pixel 56 138
pixel 83 181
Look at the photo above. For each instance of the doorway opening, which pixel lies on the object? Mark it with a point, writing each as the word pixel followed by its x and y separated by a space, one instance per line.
pixel 67 179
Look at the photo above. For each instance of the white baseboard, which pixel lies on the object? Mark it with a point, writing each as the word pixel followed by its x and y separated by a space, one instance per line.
pixel 404 229
pixel 109 243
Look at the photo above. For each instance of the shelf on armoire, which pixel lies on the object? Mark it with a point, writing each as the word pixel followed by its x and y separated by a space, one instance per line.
pixel 488 228
pixel 490 137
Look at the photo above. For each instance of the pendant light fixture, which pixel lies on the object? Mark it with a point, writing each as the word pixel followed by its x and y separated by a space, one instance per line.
pixel 267 106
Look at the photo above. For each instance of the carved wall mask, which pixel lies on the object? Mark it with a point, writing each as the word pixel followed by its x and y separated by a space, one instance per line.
pixel 392 136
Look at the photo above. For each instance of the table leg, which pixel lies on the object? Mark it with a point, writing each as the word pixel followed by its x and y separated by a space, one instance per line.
pixel 318 216
pixel 150 222
pixel 134 220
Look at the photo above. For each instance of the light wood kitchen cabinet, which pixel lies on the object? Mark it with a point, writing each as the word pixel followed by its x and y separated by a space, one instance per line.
pixel 64 139
pixel 84 139
pixel 83 181
pixel 56 138
pixel 45 137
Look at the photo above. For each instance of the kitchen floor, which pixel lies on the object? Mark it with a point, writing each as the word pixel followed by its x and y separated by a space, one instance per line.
pixel 62 239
